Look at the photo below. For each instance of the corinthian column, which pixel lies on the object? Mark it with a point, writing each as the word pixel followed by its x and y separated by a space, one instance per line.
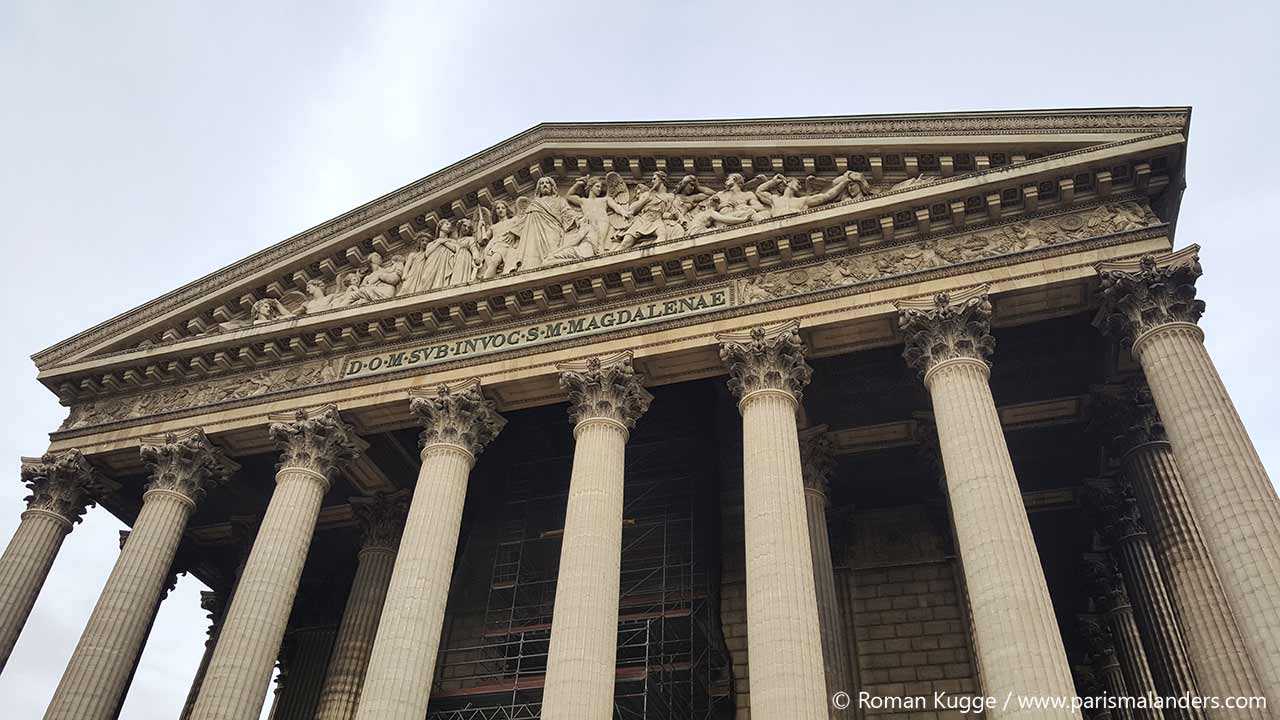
pixel 457 422
pixel 1102 654
pixel 312 446
pixel 768 373
pixel 1213 640
pixel 1020 648
pixel 183 465
pixel 605 400
pixel 215 605
pixel 1110 596
pixel 1150 304
pixel 62 485
pixel 816 465
pixel 1126 535
pixel 381 519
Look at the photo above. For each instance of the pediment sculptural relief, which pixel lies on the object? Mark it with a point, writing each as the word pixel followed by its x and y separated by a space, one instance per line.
pixel 595 215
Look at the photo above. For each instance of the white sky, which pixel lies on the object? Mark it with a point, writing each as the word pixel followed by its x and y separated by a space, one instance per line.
pixel 148 144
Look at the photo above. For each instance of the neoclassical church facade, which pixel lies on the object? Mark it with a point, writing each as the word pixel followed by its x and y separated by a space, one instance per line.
pixel 843 417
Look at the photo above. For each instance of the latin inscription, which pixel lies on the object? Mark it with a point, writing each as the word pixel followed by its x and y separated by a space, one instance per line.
pixel 536 334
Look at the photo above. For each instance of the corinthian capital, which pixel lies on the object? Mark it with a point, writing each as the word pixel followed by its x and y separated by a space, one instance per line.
pixel 766 358
pixel 816 461
pixel 315 440
pixel 605 388
pixel 456 414
pixel 1141 295
pixel 381 518
pixel 1125 415
pixel 63 484
pixel 1101 642
pixel 945 327
pixel 185 463
pixel 1115 508
pixel 1102 577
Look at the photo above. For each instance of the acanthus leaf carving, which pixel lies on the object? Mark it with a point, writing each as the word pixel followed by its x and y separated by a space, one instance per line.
pixel 381 518
pixel 1126 416
pixel 317 440
pixel 947 327
pixel 817 461
pixel 456 414
pixel 185 463
pixel 1155 290
pixel 64 484
pixel 766 358
pixel 607 388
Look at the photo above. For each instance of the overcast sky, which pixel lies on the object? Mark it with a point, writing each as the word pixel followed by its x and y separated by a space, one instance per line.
pixel 148 144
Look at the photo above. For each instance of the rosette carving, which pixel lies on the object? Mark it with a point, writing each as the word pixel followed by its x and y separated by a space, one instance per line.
pixel 64 484
pixel 185 463
pixel 456 414
pixel 316 440
pixel 766 358
pixel 381 518
pixel 947 327
pixel 605 388
pixel 816 460
pixel 1141 295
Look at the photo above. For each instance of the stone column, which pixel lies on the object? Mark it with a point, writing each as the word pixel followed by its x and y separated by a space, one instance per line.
pixel 816 465
pixel 215 604
pixel 312 445
pixel 309 650
pixel 62 485
pixel 183 465
pixel 606 398
pixel 768 373
pixel 1122 528
pixel 381 519
pixel 1213 640
pixel 457 422
pixel 1091 685
pixel 1105 662
pixel 1150 303
pixel 1110 596
pixel 1020 647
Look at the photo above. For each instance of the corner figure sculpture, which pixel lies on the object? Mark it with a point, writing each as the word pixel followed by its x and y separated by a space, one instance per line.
pixel 790 201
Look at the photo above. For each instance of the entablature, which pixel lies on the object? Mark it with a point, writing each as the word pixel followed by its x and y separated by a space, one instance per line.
pixel 934 207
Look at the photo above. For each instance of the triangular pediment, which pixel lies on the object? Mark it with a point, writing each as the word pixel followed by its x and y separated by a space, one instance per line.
pixel 512 231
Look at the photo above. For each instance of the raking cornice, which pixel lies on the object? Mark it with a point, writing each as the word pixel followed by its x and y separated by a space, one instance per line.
pixel 1089 121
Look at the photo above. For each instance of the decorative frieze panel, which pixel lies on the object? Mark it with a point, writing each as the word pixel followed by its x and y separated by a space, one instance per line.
pixel 651 305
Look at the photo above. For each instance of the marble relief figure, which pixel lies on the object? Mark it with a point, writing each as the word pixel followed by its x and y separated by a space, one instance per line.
pixel 544 225
pixel 595 215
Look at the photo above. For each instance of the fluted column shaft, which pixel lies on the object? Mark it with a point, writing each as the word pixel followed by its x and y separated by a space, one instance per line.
pixel 1113 679
pixel 1151 303
pixel 584 622
pixel 312 446
pixel 23 568
pixel 1017 634
pixel 834 648
pixel 397 684
pixel 214 603
pixel 1214 643
pixel 784 641
pixel 606 397
pixel 100 666
pixel 61 486
pixel 1156 620
pixel 1227 486
pixel 1132 658
pixel 238 676
pixel 310 652
pixel 458 422
pixel 354 644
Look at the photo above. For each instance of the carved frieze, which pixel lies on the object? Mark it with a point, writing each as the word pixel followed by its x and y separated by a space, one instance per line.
pixel 845 273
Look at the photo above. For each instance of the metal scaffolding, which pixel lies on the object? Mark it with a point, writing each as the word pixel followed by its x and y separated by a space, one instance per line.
pixel 670 663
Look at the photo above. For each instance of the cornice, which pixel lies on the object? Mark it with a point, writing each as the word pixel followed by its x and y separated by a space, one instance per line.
pixel 1089 121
